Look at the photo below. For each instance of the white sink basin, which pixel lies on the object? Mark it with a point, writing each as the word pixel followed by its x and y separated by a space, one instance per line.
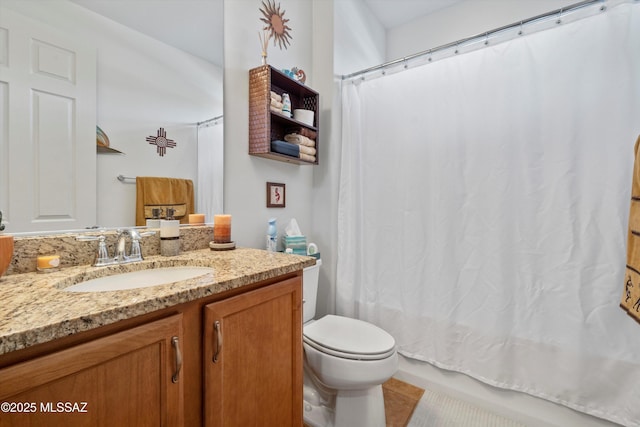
pixel 139 279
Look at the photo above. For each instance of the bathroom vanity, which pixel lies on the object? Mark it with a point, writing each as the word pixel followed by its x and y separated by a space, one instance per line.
pixel 222 349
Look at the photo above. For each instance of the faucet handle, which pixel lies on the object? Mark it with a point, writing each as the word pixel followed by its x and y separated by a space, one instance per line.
pixel 102 255
pixel 136 250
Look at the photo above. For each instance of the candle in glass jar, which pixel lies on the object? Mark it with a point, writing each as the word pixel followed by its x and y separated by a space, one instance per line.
pixel 222 228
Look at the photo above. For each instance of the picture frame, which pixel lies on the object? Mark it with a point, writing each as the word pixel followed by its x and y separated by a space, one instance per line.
pixel 276 195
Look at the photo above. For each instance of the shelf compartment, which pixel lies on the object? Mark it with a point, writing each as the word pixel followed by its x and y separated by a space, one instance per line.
pixel 266 125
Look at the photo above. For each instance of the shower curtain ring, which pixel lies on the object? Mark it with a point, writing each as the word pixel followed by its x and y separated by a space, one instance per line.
pixel 405 63
pixel 486 39
pixel 520 32
pixel 456 51
pixel 559 21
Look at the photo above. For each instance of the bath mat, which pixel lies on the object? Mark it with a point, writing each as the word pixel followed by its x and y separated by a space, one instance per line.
pixel 440 410
pixel 400 400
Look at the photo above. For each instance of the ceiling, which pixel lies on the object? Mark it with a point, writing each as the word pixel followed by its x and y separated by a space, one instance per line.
pixel 196 26
pixel 393 13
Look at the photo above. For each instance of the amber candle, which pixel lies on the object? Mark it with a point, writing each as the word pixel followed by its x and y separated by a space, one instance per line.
pixel 222 228
pixel 196 219
pixel 47 263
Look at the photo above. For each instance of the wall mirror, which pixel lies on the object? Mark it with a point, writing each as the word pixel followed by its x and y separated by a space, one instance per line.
pixel 157 68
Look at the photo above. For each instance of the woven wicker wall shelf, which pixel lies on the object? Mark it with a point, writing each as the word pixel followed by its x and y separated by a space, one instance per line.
pixel 266 125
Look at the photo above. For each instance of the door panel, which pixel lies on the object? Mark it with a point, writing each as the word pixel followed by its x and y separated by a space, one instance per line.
pixel 48 133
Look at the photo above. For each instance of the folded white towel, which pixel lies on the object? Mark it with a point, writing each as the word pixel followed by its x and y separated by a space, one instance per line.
pixel 307 157
pixel 275 110
pixel 276 96
pixel 276 104
pixel 307 150
pixel 294 138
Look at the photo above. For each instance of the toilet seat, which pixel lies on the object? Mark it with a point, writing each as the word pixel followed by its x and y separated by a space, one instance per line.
pixel 349 338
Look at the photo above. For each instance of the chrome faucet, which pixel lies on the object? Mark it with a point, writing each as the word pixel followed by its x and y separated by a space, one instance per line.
pixel 120 256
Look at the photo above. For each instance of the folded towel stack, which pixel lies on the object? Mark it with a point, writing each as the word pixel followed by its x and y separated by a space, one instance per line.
pixel 306 144
pixel 295 138
pixel 293 150
pixel 276 102
pixel 311 134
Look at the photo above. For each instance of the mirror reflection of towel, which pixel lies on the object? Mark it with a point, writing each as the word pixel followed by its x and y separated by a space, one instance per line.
pixel 159 192
pixel 631 295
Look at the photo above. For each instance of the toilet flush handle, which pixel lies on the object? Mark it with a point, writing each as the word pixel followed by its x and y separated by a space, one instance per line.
pixel 218 334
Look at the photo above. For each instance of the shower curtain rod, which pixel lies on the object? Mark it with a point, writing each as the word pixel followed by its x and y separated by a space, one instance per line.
pixel 485 34
pixel 210 120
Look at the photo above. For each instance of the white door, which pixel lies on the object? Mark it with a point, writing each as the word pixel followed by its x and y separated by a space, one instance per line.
pixel 47 127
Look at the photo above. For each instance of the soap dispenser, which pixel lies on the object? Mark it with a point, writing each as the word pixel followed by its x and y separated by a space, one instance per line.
pixel 154 222
pixel 169 235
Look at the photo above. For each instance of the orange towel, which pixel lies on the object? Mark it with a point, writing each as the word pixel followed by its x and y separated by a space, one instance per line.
pixel 631 295
pixel 163 193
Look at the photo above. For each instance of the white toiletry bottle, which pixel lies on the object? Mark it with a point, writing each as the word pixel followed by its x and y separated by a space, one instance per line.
pixel 272 235
pixel 286 105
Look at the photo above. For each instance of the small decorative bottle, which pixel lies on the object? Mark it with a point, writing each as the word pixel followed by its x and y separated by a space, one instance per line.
pixel 272 235
pixel 286 105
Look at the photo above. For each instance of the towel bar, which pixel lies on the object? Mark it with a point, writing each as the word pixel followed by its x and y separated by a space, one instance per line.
pixel 122 178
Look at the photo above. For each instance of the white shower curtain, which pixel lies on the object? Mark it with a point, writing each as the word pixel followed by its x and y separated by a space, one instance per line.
pixel 483 211
pixel 209 199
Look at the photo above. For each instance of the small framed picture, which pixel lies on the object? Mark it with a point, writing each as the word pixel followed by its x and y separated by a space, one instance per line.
pixel 275 195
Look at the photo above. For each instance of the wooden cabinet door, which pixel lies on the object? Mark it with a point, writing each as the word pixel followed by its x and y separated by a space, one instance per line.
pixel 125 379
pixel 253 358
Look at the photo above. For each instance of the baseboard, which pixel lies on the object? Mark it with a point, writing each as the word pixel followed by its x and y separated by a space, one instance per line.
pixel 526 409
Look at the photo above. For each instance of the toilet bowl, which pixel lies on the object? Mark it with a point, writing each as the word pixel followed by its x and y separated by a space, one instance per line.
pixel 346 361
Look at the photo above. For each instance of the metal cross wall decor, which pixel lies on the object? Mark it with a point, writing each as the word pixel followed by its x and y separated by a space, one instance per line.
pixel 161 142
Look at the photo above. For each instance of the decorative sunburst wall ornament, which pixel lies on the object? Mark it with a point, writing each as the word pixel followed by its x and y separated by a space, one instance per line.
pixel 276 23
pixel 161 142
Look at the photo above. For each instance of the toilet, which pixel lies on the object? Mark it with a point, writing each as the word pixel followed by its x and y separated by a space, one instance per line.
pixel 345 363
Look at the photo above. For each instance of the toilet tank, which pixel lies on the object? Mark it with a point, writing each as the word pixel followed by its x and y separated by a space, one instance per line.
pixel 310 290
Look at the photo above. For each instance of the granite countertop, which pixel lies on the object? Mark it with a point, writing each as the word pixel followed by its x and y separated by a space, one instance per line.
pixel 35 308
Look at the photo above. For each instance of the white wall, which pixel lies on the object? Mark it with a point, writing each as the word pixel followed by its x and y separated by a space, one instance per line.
pixel 325 175
pixel 246 176
pixel 464 19
pixel 142 85
pixel 311 190
pixel 169 89
pixel 360 37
